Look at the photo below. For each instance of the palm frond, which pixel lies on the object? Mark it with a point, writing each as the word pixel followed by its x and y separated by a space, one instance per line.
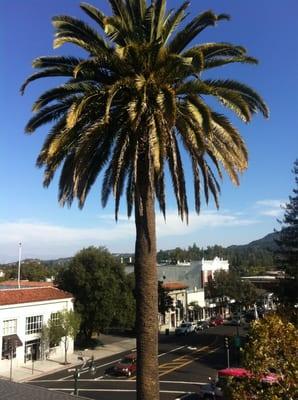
pixel 197 25
pixel 47 72
pixel 173 21
pixel 252 98
pixel 73 30
pixel 93 13
pixel 48 114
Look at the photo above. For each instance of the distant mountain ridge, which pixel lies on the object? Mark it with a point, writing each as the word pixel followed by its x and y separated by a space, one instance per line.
pixel 266 243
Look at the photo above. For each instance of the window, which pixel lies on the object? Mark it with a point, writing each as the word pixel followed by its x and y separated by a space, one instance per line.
pixel 34 324
pixel 9 327
pixel 55 318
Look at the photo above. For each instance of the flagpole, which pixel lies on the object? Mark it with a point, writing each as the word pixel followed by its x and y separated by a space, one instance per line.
pixel 19 267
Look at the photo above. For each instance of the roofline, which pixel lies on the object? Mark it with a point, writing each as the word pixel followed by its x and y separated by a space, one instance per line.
pixel 27 304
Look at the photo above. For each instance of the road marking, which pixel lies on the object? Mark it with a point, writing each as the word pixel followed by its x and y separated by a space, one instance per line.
pixel 96 367
pixel 115 390
pixel 184 383
pixel 186 362
pixel 115 361
pixel 171 351
pixel 179 362
pixel 162 366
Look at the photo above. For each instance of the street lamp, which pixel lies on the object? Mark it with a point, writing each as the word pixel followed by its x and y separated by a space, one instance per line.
pixel 78 370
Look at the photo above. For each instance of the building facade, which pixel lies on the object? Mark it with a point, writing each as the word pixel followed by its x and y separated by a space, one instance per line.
pixel 23 313
pixel 207 268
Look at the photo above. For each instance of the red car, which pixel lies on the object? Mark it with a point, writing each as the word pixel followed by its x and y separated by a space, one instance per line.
pixel 215 321
pixel 127 366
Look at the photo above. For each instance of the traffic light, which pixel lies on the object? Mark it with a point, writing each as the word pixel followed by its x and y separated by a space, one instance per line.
pixel 227 342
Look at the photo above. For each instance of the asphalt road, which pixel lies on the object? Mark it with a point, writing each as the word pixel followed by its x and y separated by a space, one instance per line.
pixel 185 363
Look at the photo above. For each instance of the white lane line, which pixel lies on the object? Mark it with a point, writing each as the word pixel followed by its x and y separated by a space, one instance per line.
pixel 109 363
pixel 184 382
pixel 171 351
pixel 115 390
pixel 130 381
pixel 96 367
pixel 114 361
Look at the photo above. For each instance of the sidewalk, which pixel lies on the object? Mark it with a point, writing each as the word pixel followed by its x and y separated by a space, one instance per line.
pixel 111 345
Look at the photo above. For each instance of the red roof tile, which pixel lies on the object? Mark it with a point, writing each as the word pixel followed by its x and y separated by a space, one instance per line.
pixel 19 296
pixel 25 283
pixel 174 286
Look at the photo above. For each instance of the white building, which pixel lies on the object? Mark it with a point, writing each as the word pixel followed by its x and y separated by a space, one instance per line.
pixel 173 317
pixel 22 314
pixel 208 267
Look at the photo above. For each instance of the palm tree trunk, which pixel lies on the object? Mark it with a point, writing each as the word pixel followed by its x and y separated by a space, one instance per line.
pixel 146 290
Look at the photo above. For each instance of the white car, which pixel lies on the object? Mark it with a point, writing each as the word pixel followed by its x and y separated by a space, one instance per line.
pixel 184 329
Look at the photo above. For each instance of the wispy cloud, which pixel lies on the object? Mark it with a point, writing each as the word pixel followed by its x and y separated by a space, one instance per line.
pixel 45 240
pixel 270 207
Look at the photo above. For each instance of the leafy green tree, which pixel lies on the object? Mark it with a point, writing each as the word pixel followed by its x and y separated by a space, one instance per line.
pixel 34 271
pixel 165 301
pixel 66 325
pixel 103 294
pixel 228 284
pixel 126 110
pixel 287 251
pixel 30 270
pixel 272 347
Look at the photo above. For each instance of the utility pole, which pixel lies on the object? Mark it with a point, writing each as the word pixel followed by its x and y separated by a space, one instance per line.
pixel 19 266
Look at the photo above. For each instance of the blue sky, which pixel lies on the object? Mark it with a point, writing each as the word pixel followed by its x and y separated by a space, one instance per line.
pixel 31 214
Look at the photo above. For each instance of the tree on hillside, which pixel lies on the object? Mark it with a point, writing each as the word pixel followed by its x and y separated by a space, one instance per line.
pixel 271 348
pixel 103 294
pixel 126 110
pixel 32 271
pixel 287 251
pixel 63 326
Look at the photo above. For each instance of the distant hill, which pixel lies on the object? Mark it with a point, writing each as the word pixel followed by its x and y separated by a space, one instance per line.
pixel 242 257
pixel 265 243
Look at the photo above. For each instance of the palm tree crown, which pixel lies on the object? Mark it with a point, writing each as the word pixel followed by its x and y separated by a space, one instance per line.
pixel 140 94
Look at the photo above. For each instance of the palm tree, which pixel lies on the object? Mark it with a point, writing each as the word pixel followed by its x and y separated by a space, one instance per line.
pixel 125 111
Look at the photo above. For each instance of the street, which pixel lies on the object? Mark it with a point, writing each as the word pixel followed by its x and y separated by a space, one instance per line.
pixel 184 364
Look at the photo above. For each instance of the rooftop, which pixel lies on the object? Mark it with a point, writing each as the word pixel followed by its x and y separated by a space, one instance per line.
pixel 21 391
pixel 30 295
pixel 10 284
pixel 174 286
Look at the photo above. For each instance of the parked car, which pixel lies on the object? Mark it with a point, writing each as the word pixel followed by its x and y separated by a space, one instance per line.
pixel 210 391
pixel 201 325
pixel 236 322
pixel 215 321
pixel 189 396
pixel 184 329
pixel 127 366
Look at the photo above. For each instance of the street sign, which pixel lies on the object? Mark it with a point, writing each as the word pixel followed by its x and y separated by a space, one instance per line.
pixel 237 340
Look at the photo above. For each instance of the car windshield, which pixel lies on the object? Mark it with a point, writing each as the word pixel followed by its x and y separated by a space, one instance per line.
pixel 183 326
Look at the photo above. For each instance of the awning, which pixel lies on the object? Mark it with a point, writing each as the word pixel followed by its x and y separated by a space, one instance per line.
pixel 11 341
